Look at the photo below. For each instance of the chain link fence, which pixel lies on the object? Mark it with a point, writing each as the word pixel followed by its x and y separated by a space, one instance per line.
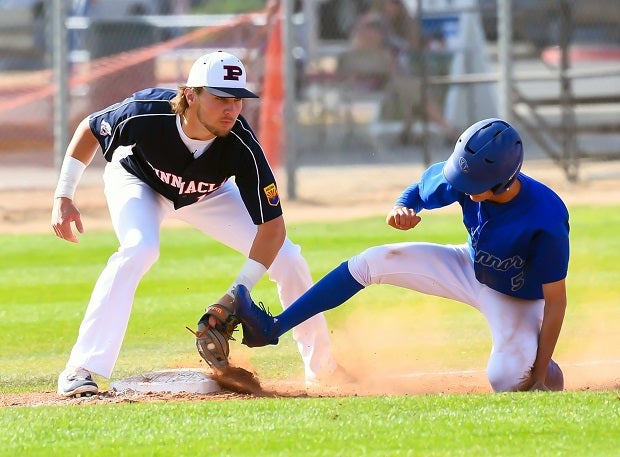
pixel 367 80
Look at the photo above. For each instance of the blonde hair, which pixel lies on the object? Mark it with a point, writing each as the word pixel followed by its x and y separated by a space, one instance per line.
pixel 179 102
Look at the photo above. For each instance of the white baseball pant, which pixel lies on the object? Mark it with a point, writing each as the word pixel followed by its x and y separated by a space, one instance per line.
pixel 137 213
pixel 448 271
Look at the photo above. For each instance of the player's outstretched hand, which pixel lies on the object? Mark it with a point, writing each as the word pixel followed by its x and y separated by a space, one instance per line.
pixel 64 213
pixel 402 218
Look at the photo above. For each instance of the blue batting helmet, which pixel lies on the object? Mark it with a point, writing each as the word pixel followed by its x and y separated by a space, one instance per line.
pixel 488 155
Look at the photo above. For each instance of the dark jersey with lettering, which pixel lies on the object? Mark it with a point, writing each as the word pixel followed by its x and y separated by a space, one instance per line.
pixel 516 246
pixel 145 122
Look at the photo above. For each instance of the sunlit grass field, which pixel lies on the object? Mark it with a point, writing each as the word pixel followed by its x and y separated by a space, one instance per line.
pixel 45 284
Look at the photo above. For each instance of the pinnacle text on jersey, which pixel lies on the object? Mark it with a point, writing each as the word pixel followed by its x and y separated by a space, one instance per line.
pixel 491 261
pixel 187 187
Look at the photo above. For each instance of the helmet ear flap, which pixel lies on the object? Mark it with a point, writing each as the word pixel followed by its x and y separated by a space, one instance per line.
pixel 503 187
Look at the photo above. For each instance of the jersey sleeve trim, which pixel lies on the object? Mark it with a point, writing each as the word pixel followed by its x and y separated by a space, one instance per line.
pixel 114 135
pixel 256 168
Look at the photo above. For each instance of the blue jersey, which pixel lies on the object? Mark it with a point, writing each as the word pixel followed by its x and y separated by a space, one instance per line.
pixel 145 122
pixel 516 246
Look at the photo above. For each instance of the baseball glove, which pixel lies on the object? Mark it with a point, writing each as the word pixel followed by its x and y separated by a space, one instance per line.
pixel 212 342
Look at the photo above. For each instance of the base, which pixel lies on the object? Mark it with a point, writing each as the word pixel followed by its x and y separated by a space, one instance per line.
pixel 172 381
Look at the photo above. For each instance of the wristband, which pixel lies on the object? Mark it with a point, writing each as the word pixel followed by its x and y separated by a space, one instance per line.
pixel 70 175
pixel 249 275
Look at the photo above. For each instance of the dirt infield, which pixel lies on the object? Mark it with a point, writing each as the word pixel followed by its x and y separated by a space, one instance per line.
pixel 330 193
pixel 596 375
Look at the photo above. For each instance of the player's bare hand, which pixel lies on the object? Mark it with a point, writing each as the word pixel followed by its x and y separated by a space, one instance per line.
pixel 226 301
pixel 530 384
pixel 64 213
pixel 539 386
pixel 402 218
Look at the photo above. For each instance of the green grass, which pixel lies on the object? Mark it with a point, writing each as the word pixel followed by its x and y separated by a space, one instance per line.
pixel 566 424
pixel 45 284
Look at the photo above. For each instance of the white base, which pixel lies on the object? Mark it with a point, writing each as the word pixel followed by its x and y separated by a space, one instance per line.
pixel 172 381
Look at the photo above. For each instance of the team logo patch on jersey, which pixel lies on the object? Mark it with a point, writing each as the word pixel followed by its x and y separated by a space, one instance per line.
pixel 271 191
pixel 106 129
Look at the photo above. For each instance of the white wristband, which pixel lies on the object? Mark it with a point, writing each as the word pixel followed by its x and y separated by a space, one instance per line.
pixel 249 275
pixel 70 175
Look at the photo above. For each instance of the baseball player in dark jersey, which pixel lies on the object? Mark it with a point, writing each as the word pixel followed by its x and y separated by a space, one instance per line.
pixel 512 268
pixel 171 154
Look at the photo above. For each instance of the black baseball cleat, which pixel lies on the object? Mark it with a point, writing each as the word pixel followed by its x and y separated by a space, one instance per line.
pixel 259 327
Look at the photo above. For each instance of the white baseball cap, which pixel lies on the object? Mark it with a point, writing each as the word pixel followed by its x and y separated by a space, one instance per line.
pixel 221 74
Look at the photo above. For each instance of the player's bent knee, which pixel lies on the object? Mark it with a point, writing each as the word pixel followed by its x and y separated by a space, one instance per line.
pixel 503 384
pixel 504 374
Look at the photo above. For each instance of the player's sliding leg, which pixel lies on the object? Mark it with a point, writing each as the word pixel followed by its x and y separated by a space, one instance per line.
pixel 260 328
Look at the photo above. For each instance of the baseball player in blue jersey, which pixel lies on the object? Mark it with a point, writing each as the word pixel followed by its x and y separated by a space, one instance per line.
pixel 171 154
pixel 512 268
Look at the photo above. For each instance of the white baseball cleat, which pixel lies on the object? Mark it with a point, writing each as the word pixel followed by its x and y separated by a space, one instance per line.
pixel 76 382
